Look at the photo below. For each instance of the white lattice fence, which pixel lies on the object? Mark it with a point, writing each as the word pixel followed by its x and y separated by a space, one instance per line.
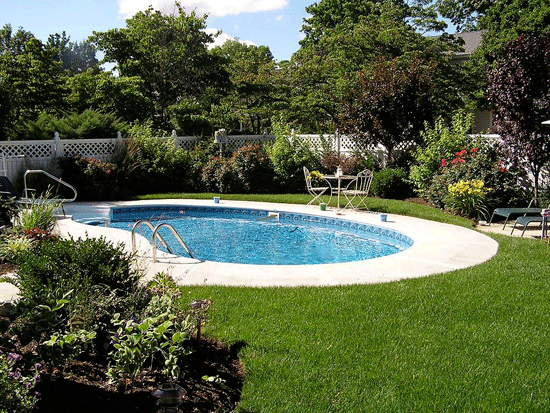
pixel 101 149
pixel 21 155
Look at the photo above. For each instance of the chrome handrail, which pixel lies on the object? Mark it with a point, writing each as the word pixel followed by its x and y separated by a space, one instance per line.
pixel 156 235
pixel 175 233
pixel 49 175
pixel 152 228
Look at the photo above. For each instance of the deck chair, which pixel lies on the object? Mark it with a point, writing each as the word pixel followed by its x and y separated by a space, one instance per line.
pixel 525 221
pixel 358 188
pixel 317 191
pixel 508 212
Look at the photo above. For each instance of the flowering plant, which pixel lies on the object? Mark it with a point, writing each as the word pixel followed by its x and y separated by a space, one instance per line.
pixel 468 197
pixel 315 176
pixel 16 387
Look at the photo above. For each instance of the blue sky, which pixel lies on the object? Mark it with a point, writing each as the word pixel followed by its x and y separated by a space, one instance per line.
pixel 273 23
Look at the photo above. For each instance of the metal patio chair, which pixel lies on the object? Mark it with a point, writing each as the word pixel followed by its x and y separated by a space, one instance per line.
pixel 358 188
pixel 319 193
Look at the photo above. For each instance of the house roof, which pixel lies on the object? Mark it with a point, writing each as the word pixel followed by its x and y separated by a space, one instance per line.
pixel 471 41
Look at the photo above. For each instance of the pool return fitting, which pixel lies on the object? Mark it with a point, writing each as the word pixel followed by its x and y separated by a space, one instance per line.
pixel 156 235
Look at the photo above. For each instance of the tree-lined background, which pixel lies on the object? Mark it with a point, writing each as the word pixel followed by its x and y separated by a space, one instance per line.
pixel 381 71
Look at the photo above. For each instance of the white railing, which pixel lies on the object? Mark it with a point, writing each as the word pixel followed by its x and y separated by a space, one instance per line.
pixel 19 156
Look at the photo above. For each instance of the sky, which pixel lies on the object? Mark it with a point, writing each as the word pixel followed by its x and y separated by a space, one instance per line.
pixel 273 23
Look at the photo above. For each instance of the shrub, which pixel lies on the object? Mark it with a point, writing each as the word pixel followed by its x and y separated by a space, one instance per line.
pixel 218 176
pixel 90 278
pixel 89 124
pixel 252 169
pixel 158 165
pixel 440 142
pixel 92 178
pixel 288 157
pixel 481 163
pixel 391 184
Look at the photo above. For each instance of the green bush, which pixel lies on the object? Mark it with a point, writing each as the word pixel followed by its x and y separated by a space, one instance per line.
pixel 391 184
pixel 218 176
pixel 90 124
pixel 252 169
pixel 440 142
pixel 92 178
pixel 479 163
pixel 157 164
pixel 69 265
pixel 288 157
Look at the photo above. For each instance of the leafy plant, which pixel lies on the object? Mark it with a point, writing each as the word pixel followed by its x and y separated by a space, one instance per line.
pixel 391 183
pixel 218 176
pixel 62 347
pixel 440 141
pixel 288 156
pixel 16 386
pixel 252 169
pixel 37 214
pixel 93 179
pixel 13 245
pixel 158 164
pixel 140 344
pixel 468 197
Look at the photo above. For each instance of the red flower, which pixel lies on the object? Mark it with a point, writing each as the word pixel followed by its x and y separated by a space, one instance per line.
pixel 215 158
pixel 455 160
pixel 108 171
pixel 474 150
pixel 461 160
pixel 502 170
pixel 443 163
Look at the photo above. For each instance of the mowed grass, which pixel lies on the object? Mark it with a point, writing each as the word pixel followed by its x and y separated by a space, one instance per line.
pixel 473 340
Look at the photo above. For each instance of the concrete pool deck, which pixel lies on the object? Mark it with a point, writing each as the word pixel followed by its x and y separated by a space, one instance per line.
pixel 437 248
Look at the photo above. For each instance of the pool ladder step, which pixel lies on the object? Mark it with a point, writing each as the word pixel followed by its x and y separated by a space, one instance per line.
pixel 156 235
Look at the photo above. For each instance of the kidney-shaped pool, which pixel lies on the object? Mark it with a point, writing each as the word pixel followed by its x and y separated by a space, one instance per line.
pixel 257 236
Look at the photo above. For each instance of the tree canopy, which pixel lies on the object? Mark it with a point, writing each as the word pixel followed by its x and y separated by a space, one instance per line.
pixel 170 53
pixel 519 93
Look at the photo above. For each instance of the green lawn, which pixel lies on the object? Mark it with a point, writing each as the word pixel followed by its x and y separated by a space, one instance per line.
pixel 474 340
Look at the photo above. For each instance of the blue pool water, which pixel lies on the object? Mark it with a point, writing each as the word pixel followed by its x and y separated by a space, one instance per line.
pixel 250 236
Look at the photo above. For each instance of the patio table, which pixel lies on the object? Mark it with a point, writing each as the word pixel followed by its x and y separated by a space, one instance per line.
pixel 339 179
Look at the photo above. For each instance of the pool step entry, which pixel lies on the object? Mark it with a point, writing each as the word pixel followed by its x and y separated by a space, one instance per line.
pixel 270 216
pixel 156 235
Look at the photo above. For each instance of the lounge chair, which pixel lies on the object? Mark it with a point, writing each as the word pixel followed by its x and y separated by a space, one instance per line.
pixel 508 212
pixel 317 191
pixel 525 221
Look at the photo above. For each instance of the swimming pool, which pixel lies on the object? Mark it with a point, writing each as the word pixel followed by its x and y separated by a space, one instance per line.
pixel 437 248
pixel 262 237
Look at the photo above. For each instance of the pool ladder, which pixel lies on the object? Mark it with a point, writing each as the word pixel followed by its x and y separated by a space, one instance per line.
pixel 156 235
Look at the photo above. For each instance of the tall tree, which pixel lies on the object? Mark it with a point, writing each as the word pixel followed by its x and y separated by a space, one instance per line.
pixel 170 54
pixel 120 95
pixel 390 102
pixel 75 57
pixel 519 93
pixel 251 71
pixel 327 61
pixel 31 78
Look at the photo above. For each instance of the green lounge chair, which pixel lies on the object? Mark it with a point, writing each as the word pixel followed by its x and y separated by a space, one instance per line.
pixel 525 221
pixel 508 212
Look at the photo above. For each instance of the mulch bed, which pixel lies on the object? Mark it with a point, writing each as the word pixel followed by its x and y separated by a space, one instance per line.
pixel 84 386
